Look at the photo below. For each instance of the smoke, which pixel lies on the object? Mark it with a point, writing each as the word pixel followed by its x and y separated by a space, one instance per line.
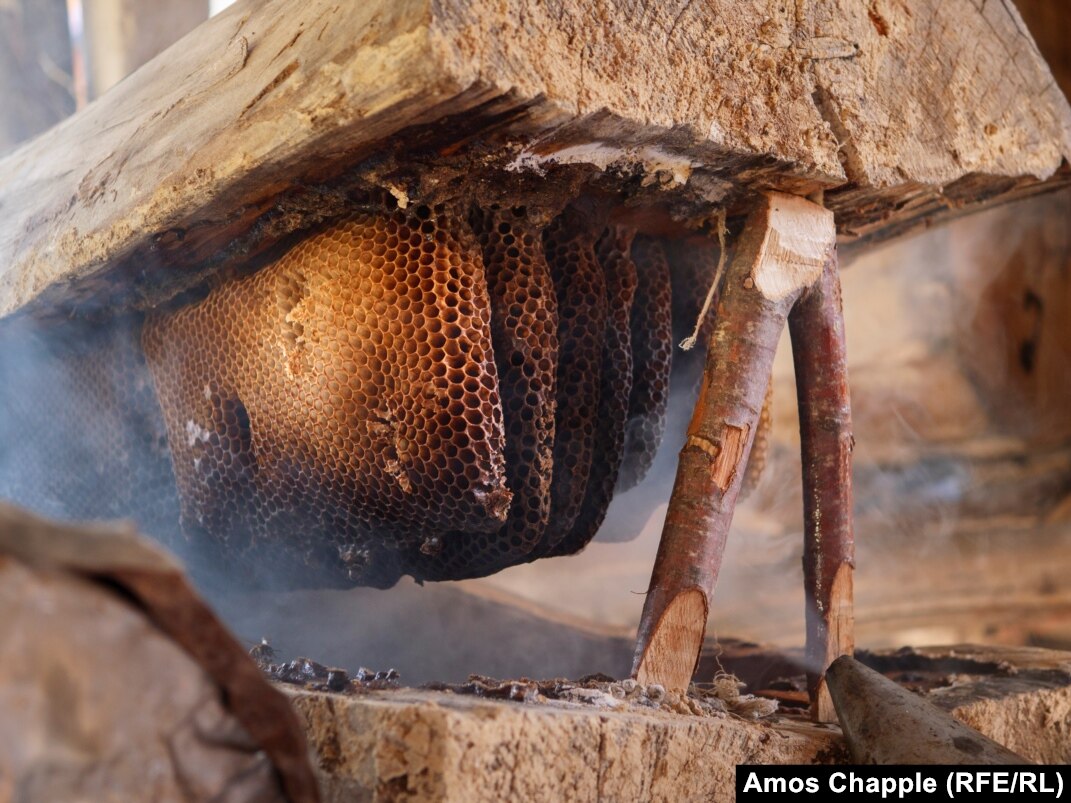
pixel 962 479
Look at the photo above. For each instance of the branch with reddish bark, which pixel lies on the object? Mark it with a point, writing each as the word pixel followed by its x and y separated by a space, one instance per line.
pixel 818 349
pixel 783 249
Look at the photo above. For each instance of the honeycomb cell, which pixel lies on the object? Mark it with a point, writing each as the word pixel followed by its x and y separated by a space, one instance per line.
pixel 613 253
pixel 652 360
pixel 81 435
pixel 569 245
pixel 338 407
pixel 524 332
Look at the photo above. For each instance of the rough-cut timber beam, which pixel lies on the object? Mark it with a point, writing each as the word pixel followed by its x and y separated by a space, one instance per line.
pixel 818 349
pixel 241 132
pixel 785 246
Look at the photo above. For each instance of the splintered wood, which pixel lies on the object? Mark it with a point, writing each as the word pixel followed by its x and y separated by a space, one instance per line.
pixel 785 254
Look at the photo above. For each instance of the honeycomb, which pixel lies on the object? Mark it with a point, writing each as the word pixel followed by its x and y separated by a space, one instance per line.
pixel 613 253
pixel 652 359
pixel 415 391
pixel 82 397
pixel 580 288
pixel 339 406
pixel 524 333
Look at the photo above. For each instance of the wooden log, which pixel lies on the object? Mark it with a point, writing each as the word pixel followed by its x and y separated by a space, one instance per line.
pixel 886 724
pixel 821 361
pixel 783 250
pixel 264 118
pixel 439 746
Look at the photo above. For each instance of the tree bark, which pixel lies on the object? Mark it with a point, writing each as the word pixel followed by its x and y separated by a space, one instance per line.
pixel 818 348
pixel 783 249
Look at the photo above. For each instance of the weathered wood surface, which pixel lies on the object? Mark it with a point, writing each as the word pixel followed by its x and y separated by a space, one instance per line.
pixel 403 745
pixel 187 716
pixel 242 131
pixel 410 745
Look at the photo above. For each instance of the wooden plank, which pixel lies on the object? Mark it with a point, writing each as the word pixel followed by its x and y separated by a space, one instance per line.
pixel 264 119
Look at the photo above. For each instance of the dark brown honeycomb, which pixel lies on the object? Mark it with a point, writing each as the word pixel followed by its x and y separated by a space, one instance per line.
pixel 341 404
pixel 81 434
pixel 580 287
pixel 652 360
pixel 613 253
pixel 524 332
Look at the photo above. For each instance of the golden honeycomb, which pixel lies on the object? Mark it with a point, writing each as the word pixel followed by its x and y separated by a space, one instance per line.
pixel 341 404
pixel 524 333
pixel 613 254
pixel 415 391
pixel 652 360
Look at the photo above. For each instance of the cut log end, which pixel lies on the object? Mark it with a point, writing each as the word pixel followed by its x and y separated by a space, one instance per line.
pixel 799 238
pixel 671 655
pixel 838 640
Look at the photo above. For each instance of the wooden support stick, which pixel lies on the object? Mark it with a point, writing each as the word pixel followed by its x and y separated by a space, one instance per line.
pixel 783 249
pixel 817 327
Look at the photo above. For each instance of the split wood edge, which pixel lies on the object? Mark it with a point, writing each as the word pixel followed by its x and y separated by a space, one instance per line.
pixel 784 269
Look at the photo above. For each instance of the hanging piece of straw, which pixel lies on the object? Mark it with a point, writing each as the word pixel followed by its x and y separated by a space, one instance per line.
pixel 689 342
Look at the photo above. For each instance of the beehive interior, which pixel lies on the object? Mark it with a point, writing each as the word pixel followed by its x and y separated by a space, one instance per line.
pixel 439 391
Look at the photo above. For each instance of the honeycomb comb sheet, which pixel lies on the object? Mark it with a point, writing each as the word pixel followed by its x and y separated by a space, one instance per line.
pixel 580 287
pixel 337 406
pixel 81 435
pixel 524 332
pixel 652 360
pixel 613 253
